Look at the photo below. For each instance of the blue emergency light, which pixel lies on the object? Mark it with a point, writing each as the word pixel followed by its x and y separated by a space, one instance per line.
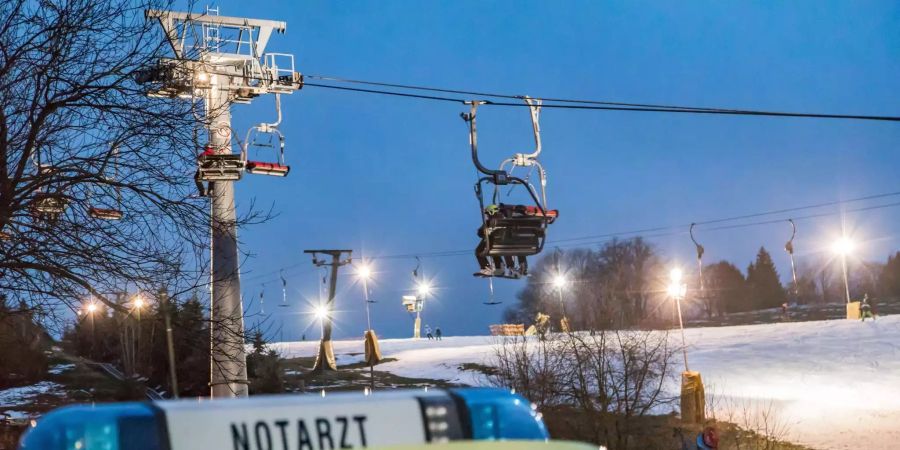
pixel 292 422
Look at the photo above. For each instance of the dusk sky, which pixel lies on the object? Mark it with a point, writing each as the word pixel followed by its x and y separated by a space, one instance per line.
pixel 392 176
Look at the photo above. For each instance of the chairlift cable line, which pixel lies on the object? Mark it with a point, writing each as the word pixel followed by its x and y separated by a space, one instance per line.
pixel 673 109
pixel 674 231
pixel 572 103
pixel 517 97
pixel 658 231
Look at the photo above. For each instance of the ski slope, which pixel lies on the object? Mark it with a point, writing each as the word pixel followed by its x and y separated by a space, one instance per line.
pixel 834 384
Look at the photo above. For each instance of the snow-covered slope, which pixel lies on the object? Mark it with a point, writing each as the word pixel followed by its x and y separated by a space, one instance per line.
pixel 836 384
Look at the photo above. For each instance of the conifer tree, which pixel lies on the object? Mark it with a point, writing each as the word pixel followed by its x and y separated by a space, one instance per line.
pixel 764 286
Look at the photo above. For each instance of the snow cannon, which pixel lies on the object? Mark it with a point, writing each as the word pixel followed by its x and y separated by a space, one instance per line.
pixel 293 422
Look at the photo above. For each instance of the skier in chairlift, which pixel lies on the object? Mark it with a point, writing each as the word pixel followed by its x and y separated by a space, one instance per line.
pixel 506 266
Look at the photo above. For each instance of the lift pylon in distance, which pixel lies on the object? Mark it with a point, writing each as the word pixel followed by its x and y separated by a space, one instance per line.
pixel 325 356
pixel 220 61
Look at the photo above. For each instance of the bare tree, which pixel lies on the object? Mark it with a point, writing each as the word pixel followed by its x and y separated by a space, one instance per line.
pixel 610 379
pixel 616 286
pixel 96 190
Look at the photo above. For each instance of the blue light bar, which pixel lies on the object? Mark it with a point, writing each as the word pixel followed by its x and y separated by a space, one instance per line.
pixel 292 422
pixel 500 414
pixel 119 426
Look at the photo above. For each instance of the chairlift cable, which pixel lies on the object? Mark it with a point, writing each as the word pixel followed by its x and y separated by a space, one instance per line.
pixel 586 104
pixel 672 109
pixel 517 97
pixel 660 231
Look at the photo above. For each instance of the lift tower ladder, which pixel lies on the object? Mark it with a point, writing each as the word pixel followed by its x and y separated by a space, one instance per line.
pixel 220 61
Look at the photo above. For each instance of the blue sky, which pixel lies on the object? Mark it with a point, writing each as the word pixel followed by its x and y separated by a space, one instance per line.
pixel 386 176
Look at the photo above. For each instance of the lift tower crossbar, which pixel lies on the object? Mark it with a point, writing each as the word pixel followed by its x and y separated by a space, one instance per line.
pixel 221 61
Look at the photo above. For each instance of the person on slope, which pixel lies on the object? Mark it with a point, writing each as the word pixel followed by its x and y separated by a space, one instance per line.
pixel 865 309
pixel 428 332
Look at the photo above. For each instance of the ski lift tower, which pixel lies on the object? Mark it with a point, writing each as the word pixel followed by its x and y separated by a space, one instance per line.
pixel 221 61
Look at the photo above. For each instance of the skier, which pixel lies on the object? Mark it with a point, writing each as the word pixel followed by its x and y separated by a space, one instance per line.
pixel 507 266
pixel 437 333
pixel 428 332
pixel 865 309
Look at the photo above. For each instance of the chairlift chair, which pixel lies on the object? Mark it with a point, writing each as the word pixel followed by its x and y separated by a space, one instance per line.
pixel 254 135
pixel 284 303
pixel 48 204
pixel 212 166
pixel 110 213
pixel 513 230
pixel 105 213
pixel 491 300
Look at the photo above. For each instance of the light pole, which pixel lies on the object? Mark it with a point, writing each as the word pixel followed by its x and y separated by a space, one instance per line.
pixel 423 289
pixel 843 247
pixel 91 310
pixel 137 303
pixel 364 271
pixel 677 290
pixel 559 282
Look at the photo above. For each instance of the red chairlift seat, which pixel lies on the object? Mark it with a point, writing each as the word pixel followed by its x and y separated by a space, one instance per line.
pixel 534 211
pixel 104 213
pixel 265 168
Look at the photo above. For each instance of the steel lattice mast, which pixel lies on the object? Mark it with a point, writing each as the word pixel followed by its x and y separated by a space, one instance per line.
pixel 221 61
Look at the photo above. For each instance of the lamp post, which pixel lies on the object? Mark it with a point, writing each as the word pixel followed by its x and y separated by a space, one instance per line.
pixel 677 290
pixel 91 308
pixel 423 290
pixel 559 282
pixel 170 344
pixel 364 271
pixel 843 247
pixel 137 304
pixel 693 398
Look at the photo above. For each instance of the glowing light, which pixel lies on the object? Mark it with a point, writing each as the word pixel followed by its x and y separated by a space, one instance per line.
pixel 675 275
pixel 559 281
pixel 424 289
pixel 321 312
pixel 91 308
pixel 364 272
pixel 138 302
pixel 843 246
pixel 202 77
pixel 676 290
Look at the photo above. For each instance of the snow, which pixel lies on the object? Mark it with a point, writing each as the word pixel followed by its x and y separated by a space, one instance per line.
pixel 17 415
pixel 23 395
pixel 60 368
pixel 834 384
